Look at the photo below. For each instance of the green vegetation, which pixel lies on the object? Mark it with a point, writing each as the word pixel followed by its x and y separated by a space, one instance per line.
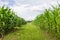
pixel 28 32
pixel 12 26
pixel 8 20
pixel 50 21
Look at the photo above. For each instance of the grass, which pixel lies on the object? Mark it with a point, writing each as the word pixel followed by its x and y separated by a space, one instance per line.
pixel 27 32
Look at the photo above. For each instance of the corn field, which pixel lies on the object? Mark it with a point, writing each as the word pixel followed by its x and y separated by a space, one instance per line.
pixel 49 20
pixel 8 20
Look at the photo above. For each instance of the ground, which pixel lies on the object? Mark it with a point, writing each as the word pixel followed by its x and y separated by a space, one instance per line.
pixel 28 32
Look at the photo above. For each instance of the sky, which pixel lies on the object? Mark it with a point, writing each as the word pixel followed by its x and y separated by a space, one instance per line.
pixel 28 9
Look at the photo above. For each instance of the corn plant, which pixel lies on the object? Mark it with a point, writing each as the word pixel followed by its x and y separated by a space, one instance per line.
pixel 50 19
pixel 9 20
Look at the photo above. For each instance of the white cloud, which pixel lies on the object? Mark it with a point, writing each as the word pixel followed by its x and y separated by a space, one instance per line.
pixel 3 3
pixel 25 10
pixel 29 9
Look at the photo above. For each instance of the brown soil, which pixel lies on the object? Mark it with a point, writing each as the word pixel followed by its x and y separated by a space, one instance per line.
pixel 46 34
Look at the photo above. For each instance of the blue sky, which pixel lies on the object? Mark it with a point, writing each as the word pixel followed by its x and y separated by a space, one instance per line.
pixel 28 9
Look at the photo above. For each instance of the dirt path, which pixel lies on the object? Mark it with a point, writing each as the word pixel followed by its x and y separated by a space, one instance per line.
pixel 46 35
pixel 29 32
pixel 0 38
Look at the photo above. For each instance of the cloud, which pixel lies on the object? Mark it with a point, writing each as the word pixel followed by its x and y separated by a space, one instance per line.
pixel 29 9
pixel 3 3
